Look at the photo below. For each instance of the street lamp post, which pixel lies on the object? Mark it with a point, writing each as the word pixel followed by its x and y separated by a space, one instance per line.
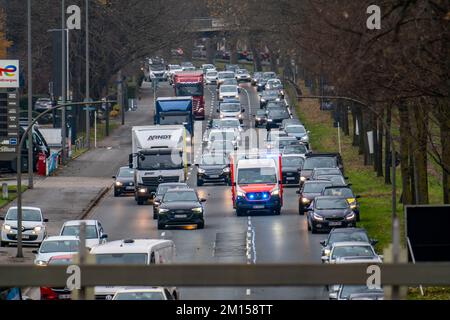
pixel 88 119
pixel 30 96
pixel 19 167
pixel 63 82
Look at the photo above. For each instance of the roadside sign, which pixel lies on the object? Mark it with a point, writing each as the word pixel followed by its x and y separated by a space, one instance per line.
pixel 9 74
pixel 89 108
pixel 13 141
pixel 9 123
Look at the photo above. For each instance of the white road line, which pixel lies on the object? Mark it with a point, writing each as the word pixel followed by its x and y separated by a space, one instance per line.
pixel 163 234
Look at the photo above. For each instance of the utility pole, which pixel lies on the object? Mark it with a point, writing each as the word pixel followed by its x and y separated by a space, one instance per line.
pixel 30 99
pixel 120 95
pixel 63 83
pixel 88 119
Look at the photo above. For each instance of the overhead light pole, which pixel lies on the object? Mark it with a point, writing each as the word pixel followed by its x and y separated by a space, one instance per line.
pixel 88 119
pixel 63 83
pixel 30 97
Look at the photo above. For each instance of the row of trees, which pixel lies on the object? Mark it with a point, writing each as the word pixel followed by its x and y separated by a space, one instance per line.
pixel 401 72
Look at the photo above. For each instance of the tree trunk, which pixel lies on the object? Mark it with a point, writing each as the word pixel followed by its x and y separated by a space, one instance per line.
pixel 387 147
pixel 420 142
pixel 345 127
pixel 375 143
pixel 444 124
pixel 380 146
pixel 407 195
pixel 361 131
pixel 354 120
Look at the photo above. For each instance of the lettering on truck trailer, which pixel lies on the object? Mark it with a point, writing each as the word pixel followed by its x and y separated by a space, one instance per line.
pixel 160 137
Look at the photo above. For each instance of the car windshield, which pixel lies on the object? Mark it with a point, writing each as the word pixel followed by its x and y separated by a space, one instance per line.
pixel 211 74
pixel 157 67
pixel 352 251
pixel 269 95
pixel 332 171
pixel 189 89
pixel 180 196
pixel 335 179
pixel 355 236
pixel 282 143
pixel 221 136
pixel 228 89
pixel 260 113
pixel 230 107
pixel 139 296
pixel 257 176
pixel 91 231
pixel 337 203
pixel 269 75
pixel 278 113
pixel 222 145
pixel 213 160
pixel 226 75
pixel 121 258
pixel 295 149
pixel 295 129
pixel 347 291
pixel 292 162
pixel 274 82
pixel 175 67
pixel 126 173
pixel 162 189
pixel 315 187
pixel 160 161
pixel 339 192
pixel 229 123
pixel 52 246
pixel 319 162
pixel 27 215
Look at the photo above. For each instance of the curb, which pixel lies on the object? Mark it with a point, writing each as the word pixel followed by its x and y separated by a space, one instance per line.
pixel 94 202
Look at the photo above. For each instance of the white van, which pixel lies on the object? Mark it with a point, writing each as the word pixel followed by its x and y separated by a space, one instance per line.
pixel 129 252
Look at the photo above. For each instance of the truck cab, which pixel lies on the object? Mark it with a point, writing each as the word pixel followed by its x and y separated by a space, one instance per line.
pixel 175 111
pixel 256 183
pixel 159 156
pixel 190 83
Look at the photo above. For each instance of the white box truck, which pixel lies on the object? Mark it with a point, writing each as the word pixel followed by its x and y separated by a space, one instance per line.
pixel 159 155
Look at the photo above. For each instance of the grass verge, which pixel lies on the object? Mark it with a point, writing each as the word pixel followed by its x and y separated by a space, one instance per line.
pixel 12 194
pixel 376 203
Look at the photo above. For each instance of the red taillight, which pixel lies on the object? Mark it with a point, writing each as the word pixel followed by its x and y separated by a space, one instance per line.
pixel 48 294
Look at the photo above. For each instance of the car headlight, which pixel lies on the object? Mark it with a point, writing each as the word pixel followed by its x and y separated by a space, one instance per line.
pixel 269 120
pixel 41 263
pixel 327 252
pixel 142 190
pixel 200 170
pixel 317 217
pixel 303 179
pixel 226 170
pixel 7 227
pixel 305 138
pixel 119 184
pixel 275 192
pixel 263 100
pixel 240 116
pixel 350 216
pixel 241 194
pixel 197 210
pixel 38 229
pixel 258 119
pixel 222 116
pixel 305 200
pixel 163 210
pixel 278 100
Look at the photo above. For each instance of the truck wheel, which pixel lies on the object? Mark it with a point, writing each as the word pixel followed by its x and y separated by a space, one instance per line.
pixel 201 225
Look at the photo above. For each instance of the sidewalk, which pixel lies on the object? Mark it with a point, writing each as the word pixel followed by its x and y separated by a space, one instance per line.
pixel 82 182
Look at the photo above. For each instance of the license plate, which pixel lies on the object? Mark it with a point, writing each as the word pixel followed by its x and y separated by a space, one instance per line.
pixel 64 296
pixel 180 216
pixel 214 176
pixel 129 188
pixel 290 178
pixel 25 237
pixel 334 224
pixel 258 207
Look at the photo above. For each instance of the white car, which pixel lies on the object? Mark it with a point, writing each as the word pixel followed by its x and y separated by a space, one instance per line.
pixel 232 135
pixel 231 110
pixel 172 69
pixel 228 91
pixel 352 252
pixel 94 231
pixel 34 229
pixel 157 293
pixel 208 67
pixel 243 75
pixel 56 246
pixel 211 77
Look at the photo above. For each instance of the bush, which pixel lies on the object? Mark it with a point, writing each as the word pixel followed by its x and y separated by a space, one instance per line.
pixel 114 114
pixel 116 107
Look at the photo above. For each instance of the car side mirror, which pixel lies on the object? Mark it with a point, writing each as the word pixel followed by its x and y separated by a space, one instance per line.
pixel 45 220
pixel 308 132
pixel 323 243
pixel 349 184
pixel 114 177
pixel 243 110
pixel 35 252
pixel 130 161
pixel 104 236
pixel 297 192
pixel 2 218
pixel 346 178
pixel 217 110
pixel 358 197
pixel 202 200
pixel 373 242
pixel 381 257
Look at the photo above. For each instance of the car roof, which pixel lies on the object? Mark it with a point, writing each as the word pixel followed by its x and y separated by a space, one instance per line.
pixel 168 184
pixel 180 190
pixel 28 208
pixel 255 163
pixel 347 230
pixel 329 197
pixel 61 238
pixel 78 222
pixel 317 181
pixel 156 289
pixel 351 243
pixel 126 246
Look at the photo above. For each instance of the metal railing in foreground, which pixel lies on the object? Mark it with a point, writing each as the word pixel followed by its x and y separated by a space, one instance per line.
pixel 224 275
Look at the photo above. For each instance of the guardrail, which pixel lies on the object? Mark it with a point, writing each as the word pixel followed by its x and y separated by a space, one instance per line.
pixel 226 275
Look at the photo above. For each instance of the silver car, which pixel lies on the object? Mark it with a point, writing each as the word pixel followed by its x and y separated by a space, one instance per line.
pixel 56 246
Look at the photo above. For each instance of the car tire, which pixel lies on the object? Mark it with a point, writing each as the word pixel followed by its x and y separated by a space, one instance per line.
pixel 239 212
pixel 300 211
pixel 116 194
pixel 358 218
pixel 161 226
pixel 309 226
pixel 140 202
pixel 201 225
pixel 3 244
pixel 277 212
pixel 313 230
pixel 200 183
pixel 155 216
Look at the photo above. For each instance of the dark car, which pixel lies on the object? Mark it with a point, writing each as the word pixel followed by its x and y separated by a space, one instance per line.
pixel 268 96
pixel 276 116
pixel 357 292
pixel 295 148
pixel 124 181
pixel 336 179
pixel 320 160
pixel 213 168
pixel 256 77
pixel 308 191
pixel 291 166
pixel 43 104
pixel 181 207
pixel 260 119
pixel 345 235
pixel 321 171
pixel 347 192
pixel 261 84
pixel 288 122
pixel 161 191
pixel 327 213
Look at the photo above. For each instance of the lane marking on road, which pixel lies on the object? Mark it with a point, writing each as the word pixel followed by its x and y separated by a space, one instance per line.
pixel 163 234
